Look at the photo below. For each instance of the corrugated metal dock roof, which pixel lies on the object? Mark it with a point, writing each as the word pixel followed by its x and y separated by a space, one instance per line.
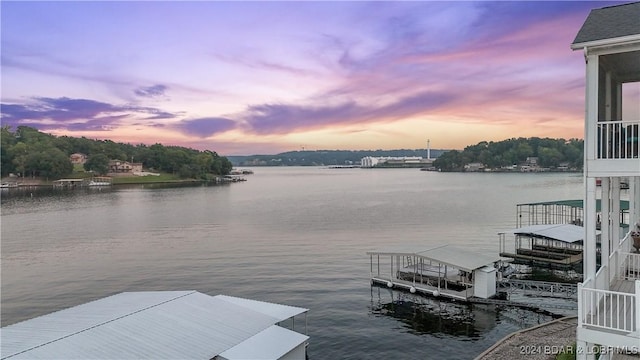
pixel 278 311
pixel 272 343
pixel 135 325
pixel 444 254
pixel 562 232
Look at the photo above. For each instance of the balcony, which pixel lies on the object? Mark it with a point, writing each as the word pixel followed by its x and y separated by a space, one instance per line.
pixel 616 150
pixel 618 139
pixel 611 316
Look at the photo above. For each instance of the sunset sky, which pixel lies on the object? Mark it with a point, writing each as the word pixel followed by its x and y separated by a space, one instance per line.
pixel 246 78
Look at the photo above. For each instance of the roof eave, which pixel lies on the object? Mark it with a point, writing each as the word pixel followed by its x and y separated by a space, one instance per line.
pixel 602 43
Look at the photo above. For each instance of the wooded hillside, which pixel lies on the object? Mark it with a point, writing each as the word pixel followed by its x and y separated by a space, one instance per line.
pixel 550 153
pixel 29 152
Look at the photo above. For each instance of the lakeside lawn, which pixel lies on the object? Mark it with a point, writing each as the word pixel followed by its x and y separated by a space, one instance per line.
pixel 116 180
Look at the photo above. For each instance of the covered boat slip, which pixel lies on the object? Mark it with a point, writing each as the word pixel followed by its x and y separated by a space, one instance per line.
pixel 556 245
pixel 442 270
pixel 562 212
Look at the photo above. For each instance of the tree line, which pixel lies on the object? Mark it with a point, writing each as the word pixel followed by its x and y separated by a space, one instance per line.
pixel 29 152
pixel 550 153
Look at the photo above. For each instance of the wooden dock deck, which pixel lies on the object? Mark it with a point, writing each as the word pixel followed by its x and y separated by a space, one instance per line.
pixel 555 258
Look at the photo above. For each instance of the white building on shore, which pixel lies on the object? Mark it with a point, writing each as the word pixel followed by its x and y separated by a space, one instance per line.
pixel 609 296
pixel 372 161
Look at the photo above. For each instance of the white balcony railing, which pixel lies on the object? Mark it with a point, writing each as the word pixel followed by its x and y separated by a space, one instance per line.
pixel 613 310
pixel 629 267
pixel 610 310
pixel 618 139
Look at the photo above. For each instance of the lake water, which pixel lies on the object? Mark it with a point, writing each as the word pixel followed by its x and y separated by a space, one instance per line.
pixel 296 236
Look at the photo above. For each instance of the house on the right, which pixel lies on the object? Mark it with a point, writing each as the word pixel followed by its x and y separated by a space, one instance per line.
pixel 609 296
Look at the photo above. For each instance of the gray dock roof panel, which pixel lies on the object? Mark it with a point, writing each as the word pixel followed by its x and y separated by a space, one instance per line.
pixel 562 232
pixel 444 254
pixel 158 325
pixel 272 343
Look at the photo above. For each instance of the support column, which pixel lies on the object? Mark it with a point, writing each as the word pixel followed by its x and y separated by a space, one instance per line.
pixel 615 211
pixel 634 193
pixel 589 249
pixel 590 152
pixel 591 115
pixel 605 228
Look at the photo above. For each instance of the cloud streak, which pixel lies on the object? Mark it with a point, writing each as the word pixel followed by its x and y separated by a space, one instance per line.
pixel 282 118
pixel 151 91
pixel 205 127
pixel 74 114
pixel 325 67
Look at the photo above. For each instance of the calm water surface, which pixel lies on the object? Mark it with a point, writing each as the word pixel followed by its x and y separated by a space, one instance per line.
pixel 296 236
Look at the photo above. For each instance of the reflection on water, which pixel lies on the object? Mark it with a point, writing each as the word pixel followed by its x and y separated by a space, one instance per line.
pixel 24 192
pixel 440 318
pixel 29 196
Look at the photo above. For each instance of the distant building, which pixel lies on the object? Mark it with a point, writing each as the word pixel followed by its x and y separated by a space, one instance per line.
pixel 563 166
pixel 474 167
pixel 119 167
pixel 531 165
pixel 532 161
pixel 369 161
pixel 78 158
pixel 395 161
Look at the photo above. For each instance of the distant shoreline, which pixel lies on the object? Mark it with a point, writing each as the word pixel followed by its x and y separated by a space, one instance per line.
pixel 35 183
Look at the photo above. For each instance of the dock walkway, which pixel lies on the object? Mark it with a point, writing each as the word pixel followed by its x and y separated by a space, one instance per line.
pixel 540 288
pixel 542 342
pixel 539 342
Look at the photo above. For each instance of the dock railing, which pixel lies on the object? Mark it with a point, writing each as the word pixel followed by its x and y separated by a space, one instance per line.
pixel 542 288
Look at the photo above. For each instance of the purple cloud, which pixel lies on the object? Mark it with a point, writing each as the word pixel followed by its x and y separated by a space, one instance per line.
pixel 72 114
pixel 205 127
pixel 60 110
pixel 283 118
pixel 151 91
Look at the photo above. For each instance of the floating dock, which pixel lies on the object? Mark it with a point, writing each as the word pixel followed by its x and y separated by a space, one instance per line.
pixel 444 270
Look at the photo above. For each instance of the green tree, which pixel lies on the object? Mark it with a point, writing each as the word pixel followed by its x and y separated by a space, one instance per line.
pixel 549 157
pixel 20 155
pixel 50 164
pixel 60 164
pixel 7 141
pixel 98 163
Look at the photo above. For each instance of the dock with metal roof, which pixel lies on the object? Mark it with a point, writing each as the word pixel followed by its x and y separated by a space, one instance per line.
pixel 443 270
pixel 159 325
pixel 553 245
